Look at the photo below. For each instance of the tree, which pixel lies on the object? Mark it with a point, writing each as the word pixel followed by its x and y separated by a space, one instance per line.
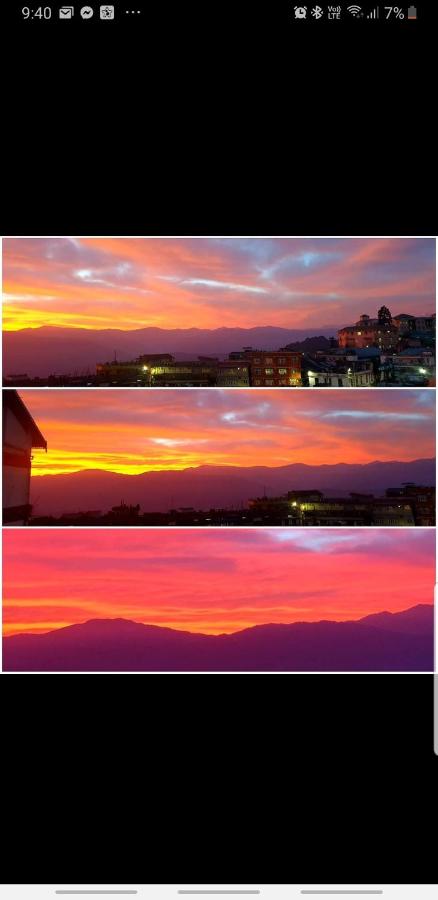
pixel 384 316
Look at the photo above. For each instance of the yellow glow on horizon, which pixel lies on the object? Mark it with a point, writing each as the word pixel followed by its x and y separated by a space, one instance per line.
pixel 197 621
pixel 12 628
pixel 198 624
pixel 17 318
pixel 65 462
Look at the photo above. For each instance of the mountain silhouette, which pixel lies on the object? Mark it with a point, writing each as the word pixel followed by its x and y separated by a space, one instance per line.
pixel 51 350
pixel 384 642
pixel 212 487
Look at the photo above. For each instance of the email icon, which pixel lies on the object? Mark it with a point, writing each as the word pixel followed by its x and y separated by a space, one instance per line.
pixel 66 12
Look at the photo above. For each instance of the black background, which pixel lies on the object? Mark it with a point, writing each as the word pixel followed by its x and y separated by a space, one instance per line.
pixel 218 119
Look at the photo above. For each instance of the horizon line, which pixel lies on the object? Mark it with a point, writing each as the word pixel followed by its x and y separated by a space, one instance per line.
pixel 36 474
pixel 178 328
pixel 219 633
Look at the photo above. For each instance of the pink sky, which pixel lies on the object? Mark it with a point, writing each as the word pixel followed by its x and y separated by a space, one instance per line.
pixel 211 581
pixel 131 283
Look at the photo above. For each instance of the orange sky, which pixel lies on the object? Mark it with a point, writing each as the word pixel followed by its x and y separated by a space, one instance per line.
pixel 137 431
pixel 211 581
pixel 131 283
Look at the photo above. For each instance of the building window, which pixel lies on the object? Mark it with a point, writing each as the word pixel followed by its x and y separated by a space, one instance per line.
pixel 340 382
pixel 268 360
pixel 269 371
pixel 281 361
pixel 257 361
pixel 269 381
pixel 282 371
pixel 257 381
pixel 258 371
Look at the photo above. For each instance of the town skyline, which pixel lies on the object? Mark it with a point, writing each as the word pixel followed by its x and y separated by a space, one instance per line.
pixel 210 283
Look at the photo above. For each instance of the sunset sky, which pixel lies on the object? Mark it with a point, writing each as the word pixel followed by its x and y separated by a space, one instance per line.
pixel 211 581
pixel 131 283
pixel 137 431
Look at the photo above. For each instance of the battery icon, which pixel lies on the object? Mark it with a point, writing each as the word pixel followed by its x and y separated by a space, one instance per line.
pixel 412 12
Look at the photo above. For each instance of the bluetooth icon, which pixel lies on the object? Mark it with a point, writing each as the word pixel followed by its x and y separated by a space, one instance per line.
pixel 317 12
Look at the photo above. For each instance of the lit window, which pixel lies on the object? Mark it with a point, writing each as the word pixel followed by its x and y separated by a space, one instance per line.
pixel 269 371
pixel 282 371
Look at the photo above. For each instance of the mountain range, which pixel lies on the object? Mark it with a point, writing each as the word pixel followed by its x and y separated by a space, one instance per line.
pixel 213 487
pixel 381 642
pixel 51 350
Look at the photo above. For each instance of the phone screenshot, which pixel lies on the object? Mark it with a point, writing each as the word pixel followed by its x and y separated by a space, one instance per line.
pixel 219 427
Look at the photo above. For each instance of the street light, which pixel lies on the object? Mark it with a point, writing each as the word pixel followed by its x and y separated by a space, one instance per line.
pixel 146 369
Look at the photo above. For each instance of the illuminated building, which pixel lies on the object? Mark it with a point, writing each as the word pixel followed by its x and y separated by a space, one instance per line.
pixel 133 371
pixel 192 373
pixel 406 506
pixel 163 370
pixel 352 377
pixel 20 436
pixel 414 366
pixel 271 368
pixel 367 332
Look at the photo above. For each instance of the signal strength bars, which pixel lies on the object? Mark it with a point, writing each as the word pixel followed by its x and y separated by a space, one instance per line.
pixel 374 14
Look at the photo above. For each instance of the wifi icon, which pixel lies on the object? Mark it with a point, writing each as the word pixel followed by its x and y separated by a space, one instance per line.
pixel 355 10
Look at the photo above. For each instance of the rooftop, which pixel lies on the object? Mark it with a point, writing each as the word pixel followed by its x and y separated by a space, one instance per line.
pixel 13 402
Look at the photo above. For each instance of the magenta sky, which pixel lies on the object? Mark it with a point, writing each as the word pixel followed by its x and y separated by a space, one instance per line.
pixel 211 581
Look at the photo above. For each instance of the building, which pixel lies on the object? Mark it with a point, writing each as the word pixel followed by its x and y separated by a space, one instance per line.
pixel 20 436
pixel 392 513
pixel 313 509
pixel 352 377
pixel 414 366
pixel 407 324
pixel 367 332
pixel 136 371
pixel 420 498
pixel 201 372
pixel 233 373
pixel 271 368
pixel 406 506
